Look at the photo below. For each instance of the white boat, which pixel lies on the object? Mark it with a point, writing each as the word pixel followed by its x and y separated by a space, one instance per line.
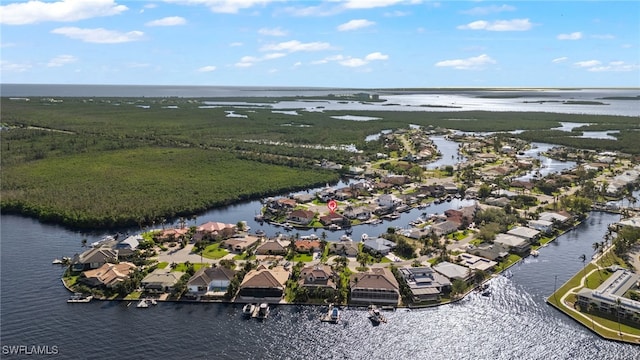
pixel 143 304
pixel 535 253
pixel 364 237
pixel 335 314
pixel 80 298
pixel 375 315
pixel 153 301
pixel 345 238
pixel 248 309
pixel 334 227
pixel 262 311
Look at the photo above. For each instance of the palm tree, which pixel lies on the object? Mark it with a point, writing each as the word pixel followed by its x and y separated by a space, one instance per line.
pixel 583 257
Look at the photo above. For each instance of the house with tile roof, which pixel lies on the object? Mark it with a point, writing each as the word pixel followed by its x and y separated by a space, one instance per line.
pixel 425 283
pixel 453 271
pixel 317 276
pixel 161 281
pixel 376 286
pixel 93 258
pixel 263 284
pixel 271 247
pixel 107 275
pixel 379 245
pixel 210 281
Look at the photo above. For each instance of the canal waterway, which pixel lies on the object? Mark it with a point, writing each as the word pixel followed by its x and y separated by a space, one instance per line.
pixel 513 323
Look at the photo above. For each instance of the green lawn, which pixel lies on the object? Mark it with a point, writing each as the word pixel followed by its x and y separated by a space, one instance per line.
pixel 213 251
pixel 303 258
pixel 162 265
pixel 510 260
pixel 244 256
pixel 183 268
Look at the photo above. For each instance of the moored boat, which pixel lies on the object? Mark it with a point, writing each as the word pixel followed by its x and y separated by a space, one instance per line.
pixel 142 304
pixel 376 316
pixel 80 298
pixel 248 310
pixel 262 311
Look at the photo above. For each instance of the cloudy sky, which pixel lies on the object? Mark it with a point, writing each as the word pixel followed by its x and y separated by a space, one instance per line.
pixel 351 43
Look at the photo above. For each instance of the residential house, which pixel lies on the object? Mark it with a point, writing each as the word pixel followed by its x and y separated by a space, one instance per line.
pixel 334 219
pixel 527 233
pixel 496 252
pixel 344 193
pixel 344 248
pixel 445 227
pixel 555 217
pixel 388 201
pixel 514 243
pixel 161 281
pixel 396 179
pixel 107 275
pixel 307 246
pixel 271 247
pixel 210 281
pixel 425 284
pixel 318 276
pixel 128 246
pixel 302 217
pixel 379 245
pixel 450 188
pixel 376 286
pixel 213 229
pixel 93 258
pixel 361 213
pixel 263 284
pixel 453 271
pixel 172 234
pixel 303 198
pixel 543 226
pixel 240 244
pixel 501 201
pixel 474 262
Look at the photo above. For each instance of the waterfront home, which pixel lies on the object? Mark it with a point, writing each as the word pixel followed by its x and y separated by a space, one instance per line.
pixel 128 246
pixel 527 233
pixel 632 222
pixel 161 281
pixel 172 234
pixel 263 284
pixel 606 297
pixel 210 281
pixel 453 271
pixel 107 275
pixel 555 217
pixel 343 248
pixel 474 262
pixel 302 217
pixel 450 188
pixel 396 179
pixel 318 276
pixel 212 229
pixel 496 252
pixel 445 227
pixel 271 247
pixel 334 219
pixel 388 201
pixel 376 286
pixel 514 243
pixel 303 198
pixel 307 246
pixel 93 258
pixel 379 245
pixel 425 284
pixel 240 244
pixel 361 213
pixel 501 201
pixel 543 226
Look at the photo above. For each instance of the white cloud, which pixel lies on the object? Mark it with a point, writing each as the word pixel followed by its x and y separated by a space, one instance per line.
pixel 99 35
pixel 223 6
pixel 317 11
pixel 626 46
pixel 328 59
pixel 573 36
pixel 236 44
pixel 61 60
pixel 498 25
pixel 355 24
pixel 247 61
pixel 272 32
pixel 298 63
pixel 36 11
pixel 369 4
pixel 376 56
pixel 353 62
pixel 486 10
pixel 559 60
pixel 397 13
pixel 208 68
pixel 587 63
pixel 168 21
pixel 472 63
pixel 9 67
pixel 612 66
pixel 295 46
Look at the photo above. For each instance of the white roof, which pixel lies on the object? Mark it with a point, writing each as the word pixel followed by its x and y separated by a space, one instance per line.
pixel 524 232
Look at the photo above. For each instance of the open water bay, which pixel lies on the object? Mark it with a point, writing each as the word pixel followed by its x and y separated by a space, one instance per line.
pixel 513 323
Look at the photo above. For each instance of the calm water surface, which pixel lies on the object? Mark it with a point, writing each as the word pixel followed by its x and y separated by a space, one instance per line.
pixel 513 323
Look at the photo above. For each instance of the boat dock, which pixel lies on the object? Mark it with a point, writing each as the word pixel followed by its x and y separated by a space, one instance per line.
pixel 332 315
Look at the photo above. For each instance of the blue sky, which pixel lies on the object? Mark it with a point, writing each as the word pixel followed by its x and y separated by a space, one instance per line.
pixel 352 43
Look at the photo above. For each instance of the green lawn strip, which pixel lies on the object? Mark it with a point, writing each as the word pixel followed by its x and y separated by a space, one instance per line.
pixel 135 295
pixel 182 267
pixel 244 256
pixel 303 258
pixel 506 263
pixel 214 252
pixel 162 265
